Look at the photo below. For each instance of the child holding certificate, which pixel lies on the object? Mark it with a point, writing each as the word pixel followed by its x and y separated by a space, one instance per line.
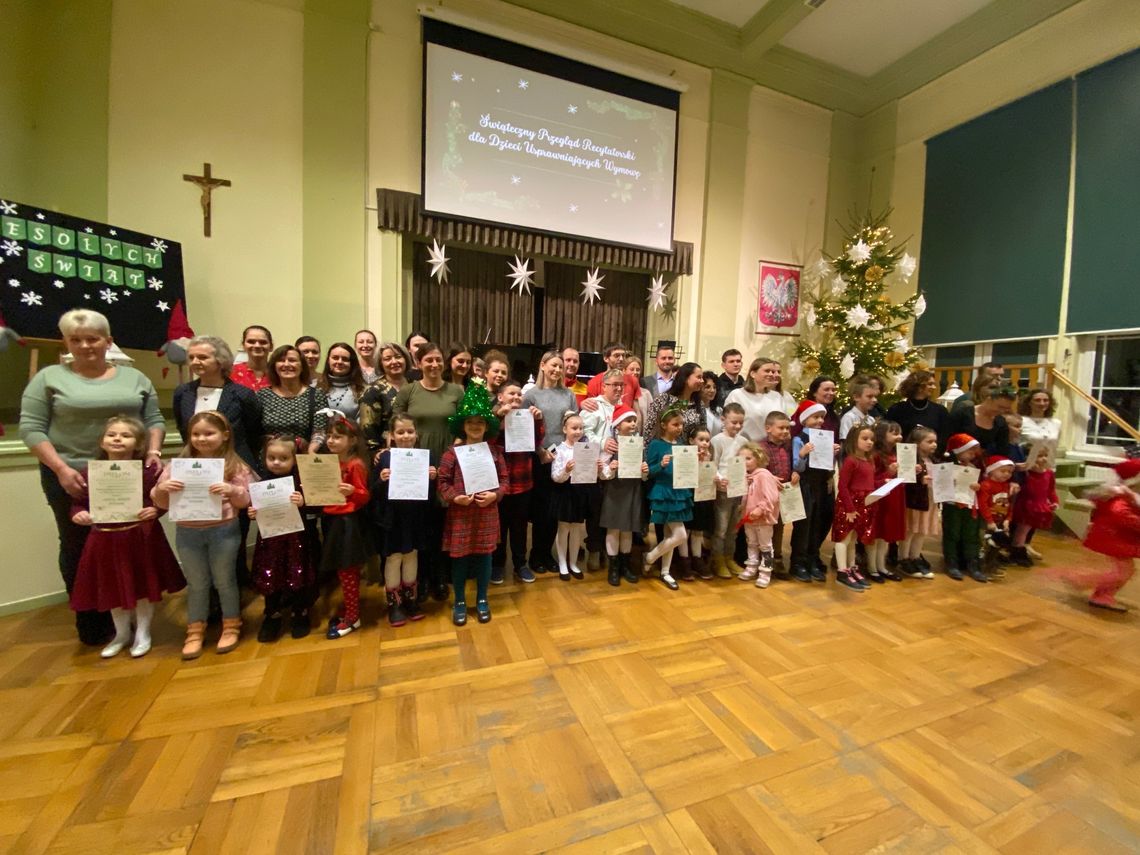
pixel 854 518
pixel 207 543
pixel 569 502
pixel 346 547
pixel 471 525
pixel 890 515
pixel 961 527
pixel 284 569
pixel 809 533
pixel 759 514
pixel 623 503
pixel 514 509
pixel 125 567
pixel 668 505
pixel 704 514
pixel 726 509
pixel 923 516
pixel 777 446
pixel 402 527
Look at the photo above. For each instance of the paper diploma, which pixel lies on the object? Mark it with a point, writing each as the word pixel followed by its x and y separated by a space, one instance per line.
pixel 964 476
pixel 114 489
pixel 792 504
pixel 320 479
pixel 194 502
pixel 585 469
pixel 942 482
pixel 907 453
pixel 478 468
pixel 276 513
pixel 630 456
pixel 518 430
pixel 735 476
pixel 408 475
pixel 822 454
pixel 706 481
pixel 882 492
pixel 684 467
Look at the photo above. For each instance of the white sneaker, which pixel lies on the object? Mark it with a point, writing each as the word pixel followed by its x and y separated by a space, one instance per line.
pixel 141 647
pixel 114 648
pixel 1033 553
pixel 749 573
pixel 764 577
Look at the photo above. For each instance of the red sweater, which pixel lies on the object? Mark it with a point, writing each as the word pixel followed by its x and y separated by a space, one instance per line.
pixel 354 473
pixel 994 501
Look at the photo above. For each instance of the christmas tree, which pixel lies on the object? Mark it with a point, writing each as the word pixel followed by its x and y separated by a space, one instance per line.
pixel 852 326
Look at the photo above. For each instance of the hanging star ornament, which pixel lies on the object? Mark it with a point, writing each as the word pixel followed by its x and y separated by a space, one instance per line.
pixel 920 306
pixel 857 316
pixel 521 276
pixel 591 287
pixel 669 308
pixel 838 286
pixel 901 345
pixel 859 252
pixel 847 367
pixel 437 261
pixel 809 316
pixel 822 269
pixel 907 265
pixel 656 290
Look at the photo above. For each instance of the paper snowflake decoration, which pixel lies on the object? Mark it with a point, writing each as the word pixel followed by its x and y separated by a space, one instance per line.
pixel 572 109
pixel 31 298
pixel 592 287
pixel 920 306
pixel 162 306
pixel 516 180
pixel 437 261
pixel 838 286
pixel 821 269
pixel 521 276
pixel 859 253
pixel 40 216
pixel 906 265
pixel 847 367
pixel 59 283
pixel 794 369
pixel 523 84
pixel 154 283
pixel 114 233
pixel 857 316
pixel 809 316
pixel 656 290
pixel 108 296
pixel 7 207
pixel 456 77
pixel 11 248
pixel 901 345
pixel 573 208
pixel 159 244
pixel 13 283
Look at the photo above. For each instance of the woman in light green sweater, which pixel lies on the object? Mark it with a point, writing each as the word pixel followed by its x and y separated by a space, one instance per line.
pixel 62 415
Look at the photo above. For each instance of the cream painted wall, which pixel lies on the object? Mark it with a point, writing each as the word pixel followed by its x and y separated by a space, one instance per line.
pixel 30 569
pixel 217 81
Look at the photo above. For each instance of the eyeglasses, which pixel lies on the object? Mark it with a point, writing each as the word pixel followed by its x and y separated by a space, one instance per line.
pixel 618 385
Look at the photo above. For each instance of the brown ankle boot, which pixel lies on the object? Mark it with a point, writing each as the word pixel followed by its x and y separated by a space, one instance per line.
pixel 192 646
pixel 683 568
pixel 231 634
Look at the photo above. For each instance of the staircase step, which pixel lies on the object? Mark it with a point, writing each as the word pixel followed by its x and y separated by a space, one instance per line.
pixel 1076 483
pixel 1077 504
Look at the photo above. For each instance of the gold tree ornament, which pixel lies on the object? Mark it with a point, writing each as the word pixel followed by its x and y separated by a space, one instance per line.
pixel 873 273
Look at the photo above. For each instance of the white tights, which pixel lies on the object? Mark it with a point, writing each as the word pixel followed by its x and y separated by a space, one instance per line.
pixel 143 613
pixel 911 547
pixel 877 556
pixel 618 542
pixel 844 557
pixel 401 568
pixel 676 537
pixel 567 545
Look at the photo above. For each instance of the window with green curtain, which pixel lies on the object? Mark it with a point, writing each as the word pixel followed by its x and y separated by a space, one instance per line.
pixel 1104 288
pixel 994 220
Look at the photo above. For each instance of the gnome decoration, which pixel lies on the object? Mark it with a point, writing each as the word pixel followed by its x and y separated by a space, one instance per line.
pixel 178 335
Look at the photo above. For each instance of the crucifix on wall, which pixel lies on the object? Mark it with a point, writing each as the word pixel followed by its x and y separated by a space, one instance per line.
pixel 206 182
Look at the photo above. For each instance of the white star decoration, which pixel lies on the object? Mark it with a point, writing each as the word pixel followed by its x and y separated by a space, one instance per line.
pixel 592 286
pixel 31 298
pixel 920 306
pixel 906 265
pixel 656 290
pixel 859 253
pixel 162 306
pixel 89 230
pixel 838 286
pixel 456 77
pixel 58 283
pixel 809 316
pixel 821 269
pixel 857 316
pixel 14 283
pixel 515 179
pixel 573 208
pixel 523 84
pixel 7 207
pixel 437 261
pixel 521 276
pixel 108 296
pixel 113 232
pixel 154 283
pixel 11 248
pixel 572 109
pixel 901 344
pixel 847 367
pixel 39 216
pixel 159 244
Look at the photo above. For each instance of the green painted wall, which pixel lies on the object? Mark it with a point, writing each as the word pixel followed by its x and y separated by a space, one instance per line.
pixel 334 184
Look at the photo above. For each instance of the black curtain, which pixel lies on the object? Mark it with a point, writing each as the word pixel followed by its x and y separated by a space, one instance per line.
pixel 619 316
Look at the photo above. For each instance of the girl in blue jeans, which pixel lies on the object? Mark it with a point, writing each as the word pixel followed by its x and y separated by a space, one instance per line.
pixel 208 548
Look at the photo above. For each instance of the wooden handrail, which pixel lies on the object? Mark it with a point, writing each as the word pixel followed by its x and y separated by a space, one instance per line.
pixel 1107 412
pixel 1033 374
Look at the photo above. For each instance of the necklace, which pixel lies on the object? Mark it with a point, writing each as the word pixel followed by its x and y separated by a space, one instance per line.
pixel 925 404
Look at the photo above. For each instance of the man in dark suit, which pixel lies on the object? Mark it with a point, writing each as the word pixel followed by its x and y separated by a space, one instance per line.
pixel 661 380
pixel 731 361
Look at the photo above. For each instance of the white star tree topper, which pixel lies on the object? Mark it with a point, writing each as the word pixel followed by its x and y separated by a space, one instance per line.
pixel 592 287
pixel 521 276
pixel 656 290
pixel 859 252
pixel 437 261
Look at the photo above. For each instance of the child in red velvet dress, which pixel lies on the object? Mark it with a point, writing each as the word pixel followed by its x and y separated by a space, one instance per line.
pixel 890 512
pixel 854 518
pixel 1034 506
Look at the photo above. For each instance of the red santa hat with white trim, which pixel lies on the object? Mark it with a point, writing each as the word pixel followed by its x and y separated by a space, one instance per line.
pixel 1128 471
pixel 621 413
pixel 996 461
pixel 961 442
pixel 807 409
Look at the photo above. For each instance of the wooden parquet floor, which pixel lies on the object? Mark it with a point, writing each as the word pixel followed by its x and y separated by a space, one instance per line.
pixel 920 717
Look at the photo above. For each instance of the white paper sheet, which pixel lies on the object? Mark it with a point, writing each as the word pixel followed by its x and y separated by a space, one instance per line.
pixel 585 469
pixel 320 479
pixel 942 482
pixel 883 491
pixel 964 476
pixel 822 454
pixel 684 467
pixel 518 427
pixel 631 451
pixel 791 504
pixel 408 479
pixel 276 513
pixel 195 502
pixel 706 481
pixel 907 453
pixel 114 490
pixel 478 468
pixel 736 477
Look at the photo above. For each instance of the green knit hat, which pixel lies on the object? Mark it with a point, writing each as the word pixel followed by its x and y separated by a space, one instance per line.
pixel 476 403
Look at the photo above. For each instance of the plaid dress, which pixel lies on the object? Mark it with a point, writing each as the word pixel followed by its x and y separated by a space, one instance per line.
pixel 468 529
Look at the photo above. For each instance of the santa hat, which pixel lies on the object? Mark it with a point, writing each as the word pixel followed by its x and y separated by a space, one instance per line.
pixel 1128 471
pixel 621 413
pixel 960 442
pixel 806 410
pixel 996 461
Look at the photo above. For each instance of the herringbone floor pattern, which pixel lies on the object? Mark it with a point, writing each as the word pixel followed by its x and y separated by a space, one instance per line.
pixel 919 717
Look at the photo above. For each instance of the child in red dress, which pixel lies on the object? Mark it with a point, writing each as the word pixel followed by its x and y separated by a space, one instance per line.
pixel 890 512
pixel 995 504
pixel 125 567
pixel 1115 531
pixel 853 517
pixel 1034 506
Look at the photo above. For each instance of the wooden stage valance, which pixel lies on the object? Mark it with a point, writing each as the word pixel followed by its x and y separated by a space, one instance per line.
pixel 400 211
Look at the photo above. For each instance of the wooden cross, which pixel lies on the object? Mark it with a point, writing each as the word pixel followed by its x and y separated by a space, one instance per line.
pixel 207 183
